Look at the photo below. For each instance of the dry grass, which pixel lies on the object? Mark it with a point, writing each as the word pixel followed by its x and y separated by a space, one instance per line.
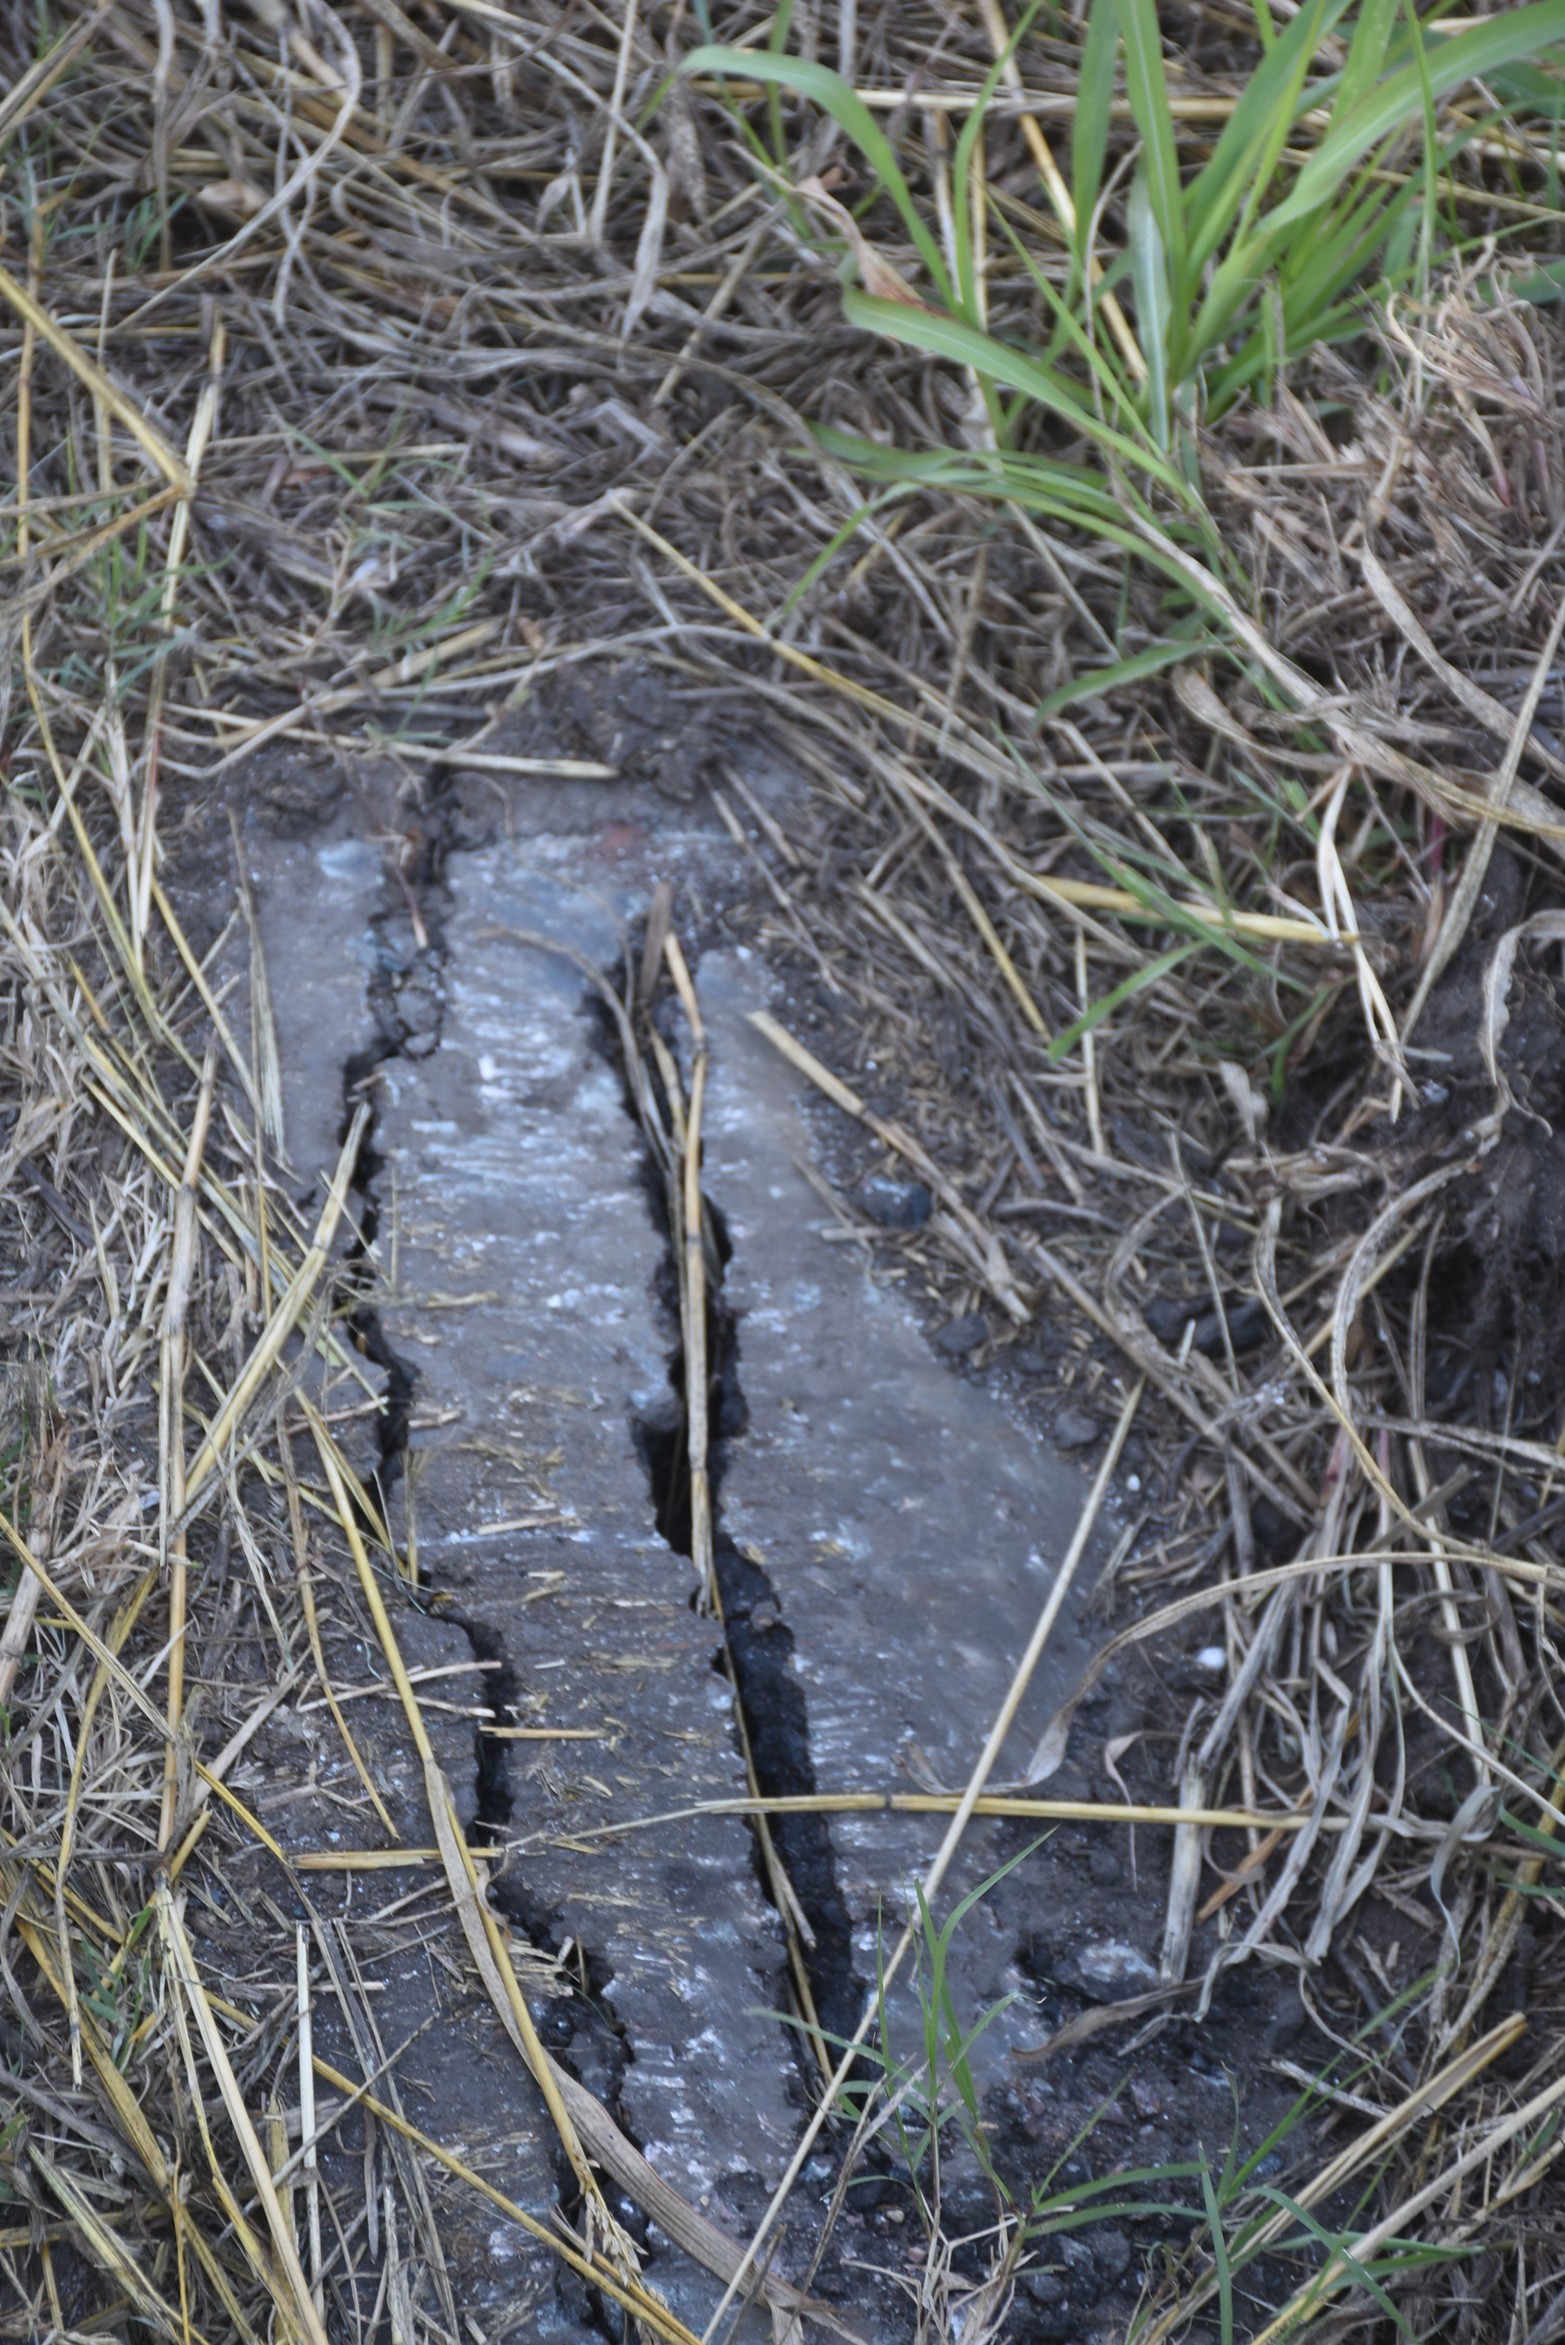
pixel 373 372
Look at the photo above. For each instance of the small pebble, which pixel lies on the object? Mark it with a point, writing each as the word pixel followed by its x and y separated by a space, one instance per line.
pixel 1115 1969
pixel 1074 1428
pixel 1110 2252
pixel 894 1204
pixel 958 1337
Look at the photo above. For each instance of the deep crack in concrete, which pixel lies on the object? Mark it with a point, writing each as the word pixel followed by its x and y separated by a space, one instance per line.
pixel 757 1648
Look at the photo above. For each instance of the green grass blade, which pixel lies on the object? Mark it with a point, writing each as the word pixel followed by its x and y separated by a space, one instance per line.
pixel 1426 220
pixel 1096 681
pixel 1316 271
pixel 974 473
pixel 821 563
pixel 1291 101
pixel 777 42
pixel 1234 175
pixel 1147 89
pixel 1090 125
pixel 1084 2199
pixel 1545 1842
pixel 947 337
pixel 966 161
pixel 1224 2277
pixel 1071 334
pixel 1123 866
pixel 1055 492
pixel 1519 35
pixel 1529 89
pixel 1337 2249
pixel 830 92
pixel 1128 987
pixel 1149 276
pixel 1367 46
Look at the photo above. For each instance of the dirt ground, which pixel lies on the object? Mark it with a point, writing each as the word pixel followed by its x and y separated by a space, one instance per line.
pixel 722 1196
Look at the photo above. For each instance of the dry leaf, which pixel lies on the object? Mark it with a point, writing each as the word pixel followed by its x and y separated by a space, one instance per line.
pixel 880 278
pixel 231 195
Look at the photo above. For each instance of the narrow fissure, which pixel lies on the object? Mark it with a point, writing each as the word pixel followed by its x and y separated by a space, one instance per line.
pixel 364 1322
pixel 758 1649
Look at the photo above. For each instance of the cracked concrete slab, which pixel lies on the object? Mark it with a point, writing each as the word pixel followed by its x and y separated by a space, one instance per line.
pixel 907 1530
pixel 385 2005
pixel 319 971
pixel 519 1258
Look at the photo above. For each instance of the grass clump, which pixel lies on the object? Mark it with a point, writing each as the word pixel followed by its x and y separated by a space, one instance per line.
pixel 1330 175
pixel 1226 2231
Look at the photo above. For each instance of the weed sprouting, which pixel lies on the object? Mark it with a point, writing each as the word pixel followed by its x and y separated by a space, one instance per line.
pixel 1233 269
pixel 1214 2230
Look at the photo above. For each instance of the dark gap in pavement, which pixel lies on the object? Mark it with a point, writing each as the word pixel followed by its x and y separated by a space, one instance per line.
pixel 364 1322
pixel 759 1644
